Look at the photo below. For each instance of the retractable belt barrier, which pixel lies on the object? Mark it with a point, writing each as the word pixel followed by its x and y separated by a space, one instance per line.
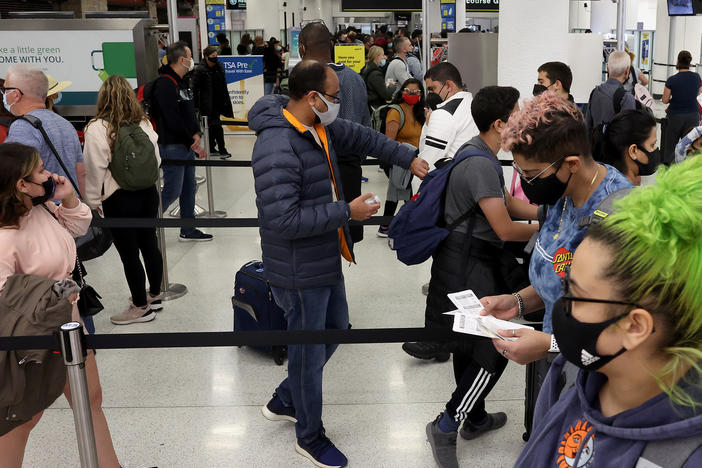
pixel 239 338
pixel 225 163
pixel 207 222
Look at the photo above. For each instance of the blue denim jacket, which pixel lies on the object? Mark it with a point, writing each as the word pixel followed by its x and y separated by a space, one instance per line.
pixel 551 256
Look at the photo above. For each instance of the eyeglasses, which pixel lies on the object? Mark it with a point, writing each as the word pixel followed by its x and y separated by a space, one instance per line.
pixel 532 179
pixel 568 298
pixel 415 92
pixel 334 99
pixel 4 90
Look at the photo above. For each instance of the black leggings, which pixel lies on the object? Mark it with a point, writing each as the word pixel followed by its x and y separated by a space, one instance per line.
pixel 130 241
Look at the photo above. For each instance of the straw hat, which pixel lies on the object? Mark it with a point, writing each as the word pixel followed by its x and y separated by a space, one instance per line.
pixel 56 86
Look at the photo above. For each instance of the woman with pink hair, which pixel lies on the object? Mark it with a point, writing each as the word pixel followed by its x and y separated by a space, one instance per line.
pixel 551 149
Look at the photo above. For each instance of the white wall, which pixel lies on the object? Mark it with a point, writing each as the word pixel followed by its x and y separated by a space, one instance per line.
pixel 521 49
pixel 674 34
pixel 264 14
pixel 604 15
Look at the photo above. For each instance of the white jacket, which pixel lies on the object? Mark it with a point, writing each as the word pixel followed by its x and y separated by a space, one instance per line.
pixel 450 126
pixel 99 184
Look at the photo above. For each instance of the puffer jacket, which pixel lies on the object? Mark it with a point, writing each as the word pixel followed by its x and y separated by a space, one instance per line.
pixel 30 380
pixel 298 218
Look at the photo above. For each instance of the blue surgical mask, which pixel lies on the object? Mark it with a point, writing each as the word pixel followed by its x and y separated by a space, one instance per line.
pixel 383 62
pixel 58 98
pixel 7 106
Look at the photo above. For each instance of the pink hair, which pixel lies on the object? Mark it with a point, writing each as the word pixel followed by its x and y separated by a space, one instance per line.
pixel 536 116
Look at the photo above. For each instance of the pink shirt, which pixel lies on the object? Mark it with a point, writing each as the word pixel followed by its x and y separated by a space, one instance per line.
pixel 41 246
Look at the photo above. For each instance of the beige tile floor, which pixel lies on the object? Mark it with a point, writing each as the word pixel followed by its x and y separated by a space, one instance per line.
pixel 200 407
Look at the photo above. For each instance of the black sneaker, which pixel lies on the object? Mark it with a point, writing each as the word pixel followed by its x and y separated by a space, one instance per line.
pixel 382 231
pixel 470 431
pixel 322 453
pixel 443 445
pixel 427 350
pixel 275 410
pixel 195 236
pixel 224 154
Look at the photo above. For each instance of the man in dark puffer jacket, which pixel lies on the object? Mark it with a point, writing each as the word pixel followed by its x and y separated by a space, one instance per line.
pixel 304 231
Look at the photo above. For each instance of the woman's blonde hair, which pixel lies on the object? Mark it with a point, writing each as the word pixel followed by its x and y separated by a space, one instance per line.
pixel 116 105
pixel 374 52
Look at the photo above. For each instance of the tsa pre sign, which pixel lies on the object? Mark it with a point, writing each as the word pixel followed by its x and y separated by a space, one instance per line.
pixel 353 56
pixel 244 76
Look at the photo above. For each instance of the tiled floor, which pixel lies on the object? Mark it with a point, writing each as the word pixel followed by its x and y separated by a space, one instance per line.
pixel 201 407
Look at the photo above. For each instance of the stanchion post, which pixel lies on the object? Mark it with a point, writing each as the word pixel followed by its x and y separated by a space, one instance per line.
pixel 169 291
pixel 73 350
pixel 208 171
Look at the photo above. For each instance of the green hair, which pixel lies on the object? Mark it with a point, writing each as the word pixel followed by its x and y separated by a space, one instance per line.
pixel 655 236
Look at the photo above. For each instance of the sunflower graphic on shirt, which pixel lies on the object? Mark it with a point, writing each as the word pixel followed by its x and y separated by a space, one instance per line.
pixel 572 441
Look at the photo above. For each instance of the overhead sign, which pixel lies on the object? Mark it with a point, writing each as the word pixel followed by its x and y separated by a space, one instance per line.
pixel 482 5
pixel 381 5
pixel 353 56
pixel 244 76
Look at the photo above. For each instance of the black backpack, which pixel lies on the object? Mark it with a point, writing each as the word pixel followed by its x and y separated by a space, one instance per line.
pixel 145 95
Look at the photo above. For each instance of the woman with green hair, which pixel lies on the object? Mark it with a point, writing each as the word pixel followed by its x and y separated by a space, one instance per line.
pixel 631 310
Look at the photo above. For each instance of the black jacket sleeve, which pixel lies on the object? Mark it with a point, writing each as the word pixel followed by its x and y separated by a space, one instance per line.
pixel 377 82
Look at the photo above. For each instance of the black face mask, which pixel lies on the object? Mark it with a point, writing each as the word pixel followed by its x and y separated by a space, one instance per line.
pixel 654 159
pixel 538 89
pixel 433 100
pixel 212 60
pixel 546 191
pixel 578 340
pixel 49 188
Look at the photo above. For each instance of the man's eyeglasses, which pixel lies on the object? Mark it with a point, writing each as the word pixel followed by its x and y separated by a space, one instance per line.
pixel 4 90
pixel 532 179
pixel 568 298
pixel 334 99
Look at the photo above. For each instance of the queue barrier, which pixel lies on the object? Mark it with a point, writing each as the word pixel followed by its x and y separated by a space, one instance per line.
pixel 73 344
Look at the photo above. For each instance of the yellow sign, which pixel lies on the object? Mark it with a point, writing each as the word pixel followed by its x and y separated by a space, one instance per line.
pixel 353 56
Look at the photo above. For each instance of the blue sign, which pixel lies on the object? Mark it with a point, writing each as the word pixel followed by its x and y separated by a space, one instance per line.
pixel 244 77
pixel 215 11
pixel 237 68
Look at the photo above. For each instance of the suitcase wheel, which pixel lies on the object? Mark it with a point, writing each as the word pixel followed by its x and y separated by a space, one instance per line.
pixel 279 354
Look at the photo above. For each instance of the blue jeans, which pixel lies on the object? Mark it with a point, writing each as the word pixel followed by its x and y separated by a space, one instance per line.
pixel 179 182
pixel 268 88
pixel 309 309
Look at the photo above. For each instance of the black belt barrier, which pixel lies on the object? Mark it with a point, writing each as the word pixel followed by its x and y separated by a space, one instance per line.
pixel 207 222
pixel 225 163
pixel 251 338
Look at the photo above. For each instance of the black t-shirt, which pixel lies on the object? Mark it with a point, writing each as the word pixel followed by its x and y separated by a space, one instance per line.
pixel 684 87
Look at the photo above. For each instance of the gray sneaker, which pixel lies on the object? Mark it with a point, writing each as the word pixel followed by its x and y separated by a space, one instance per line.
pixel 443 445
pixel 134 314
pixel 494 421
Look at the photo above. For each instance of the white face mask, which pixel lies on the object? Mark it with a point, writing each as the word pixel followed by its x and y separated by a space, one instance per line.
pixel 192 64
pixel 326 118
pixel 7 106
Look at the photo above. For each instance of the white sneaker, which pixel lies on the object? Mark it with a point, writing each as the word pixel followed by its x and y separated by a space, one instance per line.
pixel 134 314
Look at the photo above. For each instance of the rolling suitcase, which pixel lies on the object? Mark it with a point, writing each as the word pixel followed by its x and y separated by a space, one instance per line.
pixel 255 308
